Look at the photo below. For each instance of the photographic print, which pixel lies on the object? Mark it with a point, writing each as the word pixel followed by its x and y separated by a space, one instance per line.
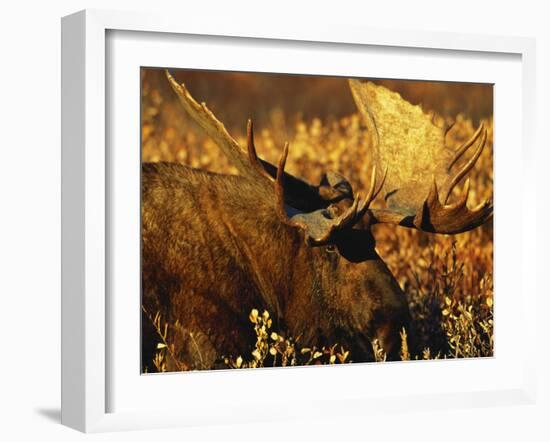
pixel 296 220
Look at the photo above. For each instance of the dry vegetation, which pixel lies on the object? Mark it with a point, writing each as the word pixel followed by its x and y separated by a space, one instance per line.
pixel 448 279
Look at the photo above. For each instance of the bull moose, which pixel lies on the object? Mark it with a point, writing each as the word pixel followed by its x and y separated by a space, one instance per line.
pixel 216 246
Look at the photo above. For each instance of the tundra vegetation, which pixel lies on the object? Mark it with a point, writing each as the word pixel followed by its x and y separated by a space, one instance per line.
pixel 446 280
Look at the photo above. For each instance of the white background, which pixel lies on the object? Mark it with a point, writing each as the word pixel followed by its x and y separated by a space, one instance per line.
pixel 30 217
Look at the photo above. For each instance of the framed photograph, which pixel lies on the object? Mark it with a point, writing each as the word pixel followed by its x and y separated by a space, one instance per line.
pixel 302 219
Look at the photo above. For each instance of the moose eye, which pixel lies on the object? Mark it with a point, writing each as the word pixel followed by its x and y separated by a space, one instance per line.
pixel 331 248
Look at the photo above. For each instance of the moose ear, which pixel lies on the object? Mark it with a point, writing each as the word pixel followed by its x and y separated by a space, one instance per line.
pixel 334 187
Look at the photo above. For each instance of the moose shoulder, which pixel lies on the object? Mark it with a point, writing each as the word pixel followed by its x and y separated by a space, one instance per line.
pixel 216 246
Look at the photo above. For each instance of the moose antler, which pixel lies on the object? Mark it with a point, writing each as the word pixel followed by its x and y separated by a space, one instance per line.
pixel 405 140
pixel 412 146
pixel 216 130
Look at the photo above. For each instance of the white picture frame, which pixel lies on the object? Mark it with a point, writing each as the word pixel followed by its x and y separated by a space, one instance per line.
pixel 86 206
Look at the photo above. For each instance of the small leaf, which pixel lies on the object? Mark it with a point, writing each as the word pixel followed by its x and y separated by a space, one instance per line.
pixel 161 345
pixel 253 316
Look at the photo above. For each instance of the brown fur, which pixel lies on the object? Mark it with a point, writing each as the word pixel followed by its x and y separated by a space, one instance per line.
pixel 213 248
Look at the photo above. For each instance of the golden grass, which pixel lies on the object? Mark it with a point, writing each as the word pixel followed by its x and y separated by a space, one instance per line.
pixel 448 279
